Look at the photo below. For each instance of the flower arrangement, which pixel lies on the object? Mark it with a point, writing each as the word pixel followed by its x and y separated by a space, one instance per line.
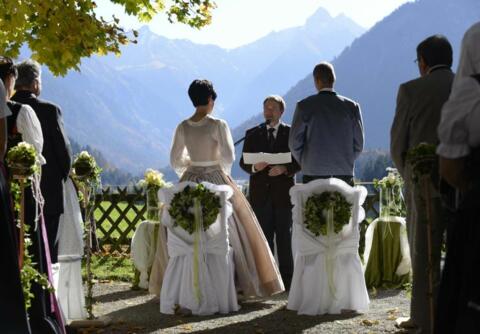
pixel 86 175
pixel 181 207
pixel 22 162
pixel 316 208
pixel 85 168
pixel 423 159
pixel 391 199
pixel 152 182
pixel 153 179
pixel 22 159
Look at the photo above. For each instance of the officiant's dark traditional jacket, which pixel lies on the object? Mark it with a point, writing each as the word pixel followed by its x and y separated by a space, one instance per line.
pixel 269 195
pixel 261 185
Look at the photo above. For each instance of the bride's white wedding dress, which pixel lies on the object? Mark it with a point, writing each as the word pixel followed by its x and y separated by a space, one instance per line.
pixel 204 151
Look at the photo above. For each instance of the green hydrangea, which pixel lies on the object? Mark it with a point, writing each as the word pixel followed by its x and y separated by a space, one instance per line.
pixel 22 159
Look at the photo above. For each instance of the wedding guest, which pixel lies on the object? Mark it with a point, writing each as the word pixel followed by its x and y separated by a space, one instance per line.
pixel 23 125
pixel 270 184
pixel 327 131
pixel 202 150
pixel 459 151
pixel 13 316
pixel 417 115
pixel 56 147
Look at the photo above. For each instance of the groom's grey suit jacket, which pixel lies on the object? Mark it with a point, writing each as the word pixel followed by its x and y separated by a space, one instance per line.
pixel 327 134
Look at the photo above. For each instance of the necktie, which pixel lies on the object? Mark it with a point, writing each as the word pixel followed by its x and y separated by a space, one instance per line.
pixel 271 138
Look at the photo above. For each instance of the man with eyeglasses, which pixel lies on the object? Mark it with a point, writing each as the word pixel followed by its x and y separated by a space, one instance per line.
pixel 419 104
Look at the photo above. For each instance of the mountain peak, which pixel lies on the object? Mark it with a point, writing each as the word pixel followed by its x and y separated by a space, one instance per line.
pixel 320 16
pixel 145 29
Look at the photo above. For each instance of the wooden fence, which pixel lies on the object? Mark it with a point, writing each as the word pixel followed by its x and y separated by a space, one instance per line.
pixel 117 212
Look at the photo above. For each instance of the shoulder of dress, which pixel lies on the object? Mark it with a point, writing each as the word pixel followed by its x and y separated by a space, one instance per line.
pixel 216 120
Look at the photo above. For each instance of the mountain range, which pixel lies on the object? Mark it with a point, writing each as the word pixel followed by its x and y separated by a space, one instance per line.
pixel 371 69
pixel 127 107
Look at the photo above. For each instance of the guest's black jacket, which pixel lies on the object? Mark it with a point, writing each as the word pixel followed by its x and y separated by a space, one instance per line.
pixel 56 150
pixel 261 185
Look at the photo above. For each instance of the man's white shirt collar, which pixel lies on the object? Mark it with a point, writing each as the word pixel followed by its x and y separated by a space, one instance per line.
pixel 274 127
pixel 326 90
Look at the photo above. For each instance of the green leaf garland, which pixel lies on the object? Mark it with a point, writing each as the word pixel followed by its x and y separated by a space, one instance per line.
pixel 316 207
pixel 181 207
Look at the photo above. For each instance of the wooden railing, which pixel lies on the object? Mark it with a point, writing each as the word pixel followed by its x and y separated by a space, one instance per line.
pixel 117 212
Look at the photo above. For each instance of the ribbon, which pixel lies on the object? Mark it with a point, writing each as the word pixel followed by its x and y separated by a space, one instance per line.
pixel 389 207
pixel 37 195
pixel 197 244
pixel 152 204
pixel 329 263
pixel 386 206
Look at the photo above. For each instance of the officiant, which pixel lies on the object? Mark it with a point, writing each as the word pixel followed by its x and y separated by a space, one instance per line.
pixel 270 184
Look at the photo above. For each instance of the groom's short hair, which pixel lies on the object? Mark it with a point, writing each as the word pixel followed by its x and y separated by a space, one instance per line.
pixel 325 73
pixel 199 92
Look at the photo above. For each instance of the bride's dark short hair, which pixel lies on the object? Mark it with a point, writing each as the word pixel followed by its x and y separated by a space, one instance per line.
pixel 199 92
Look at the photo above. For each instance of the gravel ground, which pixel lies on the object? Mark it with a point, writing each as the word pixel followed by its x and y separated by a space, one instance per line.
pixel 138 312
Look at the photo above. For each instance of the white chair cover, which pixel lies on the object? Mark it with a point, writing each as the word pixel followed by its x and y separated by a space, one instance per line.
pixel 328 276
pixel 68 278
pixel 143 250
pixel 215 269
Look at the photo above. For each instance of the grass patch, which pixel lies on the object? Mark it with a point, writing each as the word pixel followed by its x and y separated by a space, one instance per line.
pixel 111 267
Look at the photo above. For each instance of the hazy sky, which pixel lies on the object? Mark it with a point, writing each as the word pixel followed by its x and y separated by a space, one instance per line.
pixel 238 22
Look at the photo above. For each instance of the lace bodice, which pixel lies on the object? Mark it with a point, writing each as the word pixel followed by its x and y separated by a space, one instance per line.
pixel 207 142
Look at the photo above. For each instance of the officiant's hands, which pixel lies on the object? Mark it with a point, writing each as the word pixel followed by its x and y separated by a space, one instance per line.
pixel 277 170
pixel 260 166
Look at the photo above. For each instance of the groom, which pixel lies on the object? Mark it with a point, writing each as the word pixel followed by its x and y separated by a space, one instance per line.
pixel 270 184
pixel 327 131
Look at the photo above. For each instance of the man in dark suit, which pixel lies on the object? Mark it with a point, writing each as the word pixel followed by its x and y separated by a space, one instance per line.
pixel 327 131
pixel 419 105
pixel 270 184
pixel 56 147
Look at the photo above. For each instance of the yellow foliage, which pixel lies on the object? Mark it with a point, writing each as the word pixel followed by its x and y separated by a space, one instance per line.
pixel 61 33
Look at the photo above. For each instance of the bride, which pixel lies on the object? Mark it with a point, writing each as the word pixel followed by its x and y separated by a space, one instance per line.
pixel 203 150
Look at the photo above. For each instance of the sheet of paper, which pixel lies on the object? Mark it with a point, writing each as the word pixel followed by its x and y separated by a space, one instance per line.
pixel 271 158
